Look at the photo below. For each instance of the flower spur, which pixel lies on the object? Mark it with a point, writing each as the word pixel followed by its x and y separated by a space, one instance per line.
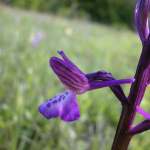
pixel 66 105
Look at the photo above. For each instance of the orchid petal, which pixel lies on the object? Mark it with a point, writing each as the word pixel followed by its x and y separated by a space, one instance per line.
pixel 144 126
pixel 141 18
pixel 71 77
pixel 64 105
pixel 143 113
pixel 71 65
pixel 101 84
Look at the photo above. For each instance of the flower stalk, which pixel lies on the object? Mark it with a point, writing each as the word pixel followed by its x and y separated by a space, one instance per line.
pixel 137 91
pixel 135 97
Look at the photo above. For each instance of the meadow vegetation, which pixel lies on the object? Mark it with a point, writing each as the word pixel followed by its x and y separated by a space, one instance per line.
pixel 106 11
pixel 26 81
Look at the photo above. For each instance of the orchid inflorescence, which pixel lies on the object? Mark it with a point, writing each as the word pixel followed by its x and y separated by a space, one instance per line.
pixel 141 19
pixel 66 106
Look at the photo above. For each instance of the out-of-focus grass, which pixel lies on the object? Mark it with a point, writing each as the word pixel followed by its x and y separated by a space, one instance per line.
pixel 26 81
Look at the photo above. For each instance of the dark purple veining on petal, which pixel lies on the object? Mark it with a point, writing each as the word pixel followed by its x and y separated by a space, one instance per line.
pixel 49 104
pixel 63 97
pixel 71 65
pixel 59 99
pixel 54 102
pixel 71 77
pixel 66 93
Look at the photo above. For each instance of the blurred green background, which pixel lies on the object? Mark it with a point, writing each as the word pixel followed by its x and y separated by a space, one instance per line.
pixel 106 11
pixel 27 41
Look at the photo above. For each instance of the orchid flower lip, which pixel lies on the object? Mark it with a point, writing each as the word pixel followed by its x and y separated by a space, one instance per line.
pixel 64 105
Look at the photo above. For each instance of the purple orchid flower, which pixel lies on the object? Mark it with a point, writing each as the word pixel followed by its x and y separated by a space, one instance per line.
pixel 141 19
pixel 66 105
pixel 36 39
pixel 143 113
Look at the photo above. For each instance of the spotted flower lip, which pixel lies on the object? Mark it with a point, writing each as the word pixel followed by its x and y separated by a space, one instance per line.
pixel 76 82
pixel 143 113
pixel 64 105
pixel 141 18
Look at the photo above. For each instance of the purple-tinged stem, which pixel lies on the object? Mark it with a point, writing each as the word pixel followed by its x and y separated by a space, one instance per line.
pixel 137 91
